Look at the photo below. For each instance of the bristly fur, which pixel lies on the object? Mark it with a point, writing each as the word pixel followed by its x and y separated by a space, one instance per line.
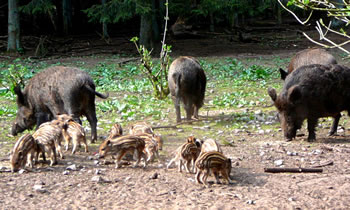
pixel 187 84
pixel 311 92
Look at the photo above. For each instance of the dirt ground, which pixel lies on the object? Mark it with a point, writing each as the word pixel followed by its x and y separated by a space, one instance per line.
pixel 101 186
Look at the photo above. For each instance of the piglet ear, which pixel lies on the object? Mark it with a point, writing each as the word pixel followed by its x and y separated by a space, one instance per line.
pixel 272 94
pixel 283 73
pixel 20 96
pixel 294 94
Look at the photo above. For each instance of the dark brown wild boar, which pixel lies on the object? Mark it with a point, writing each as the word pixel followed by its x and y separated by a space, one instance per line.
pixel 187 82
pixel 311 92
pixel 56 90
pixel 308 57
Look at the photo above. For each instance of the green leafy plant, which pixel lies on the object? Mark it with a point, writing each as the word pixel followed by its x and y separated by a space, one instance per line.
pixel 14 75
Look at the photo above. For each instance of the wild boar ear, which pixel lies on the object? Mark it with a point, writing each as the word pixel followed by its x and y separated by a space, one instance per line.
pixel 294 94
pixel 20 96
pixel 283 73
pixel 272 94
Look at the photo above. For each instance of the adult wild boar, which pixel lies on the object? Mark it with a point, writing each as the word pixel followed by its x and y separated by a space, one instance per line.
pixel 187 82
pixel 311 92
pixel 308 57
pixel 56 90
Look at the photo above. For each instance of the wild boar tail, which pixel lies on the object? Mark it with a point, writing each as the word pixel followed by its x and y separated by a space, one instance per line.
pixel 177 79
pixel 87 86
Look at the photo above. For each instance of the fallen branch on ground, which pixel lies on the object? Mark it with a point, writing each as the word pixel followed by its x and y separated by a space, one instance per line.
pixel 327 163
pixel 165 126
pixel 293 170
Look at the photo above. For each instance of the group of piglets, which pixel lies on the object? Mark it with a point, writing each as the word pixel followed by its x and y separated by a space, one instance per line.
pixel 206 158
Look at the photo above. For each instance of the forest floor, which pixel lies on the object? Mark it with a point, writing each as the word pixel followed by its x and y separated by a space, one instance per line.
pixel 91 185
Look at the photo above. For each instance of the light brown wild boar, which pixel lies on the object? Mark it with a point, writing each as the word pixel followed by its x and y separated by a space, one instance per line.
pixel 186 154
pixel 49 137
pixel 153 145
pixel 23 152
pixel 75 133
pixel 123 145
pixel 115 131
pixel 214 162
pixel 140 127
pixel 210 145
pixel 308 57
pixel 151 149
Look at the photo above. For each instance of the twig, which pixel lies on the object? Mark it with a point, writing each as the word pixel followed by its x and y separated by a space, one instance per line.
pixel 293 170
pixel 295 16
pixel 327 163
pixel 165 126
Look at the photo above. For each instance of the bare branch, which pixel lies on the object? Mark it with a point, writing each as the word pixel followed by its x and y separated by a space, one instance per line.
pixel 295 16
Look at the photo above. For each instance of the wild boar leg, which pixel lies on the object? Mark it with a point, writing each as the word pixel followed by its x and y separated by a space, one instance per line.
pixel 91 117
pixel 177 102
pixel 335 125
pixel 311 124
pixel 195 112
pixel 216 175
pixel 189 108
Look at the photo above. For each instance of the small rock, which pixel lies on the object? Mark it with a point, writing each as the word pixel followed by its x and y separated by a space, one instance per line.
pixel 236 131
pixel 21 171
pixel 257 112
pixel 97 172
pixel 127 178
pixel 160 166
pixel 261 132
pixel 72 167
pixel 39 188
pixel 180 130
pixel 154 176
pixel 191 179
pixel 251 202
pixel 317 152
pixel 291 199
pixel 262 153
pixel 96 162
pixel 65 172
pixel 289 153
pixel 206 127
pixel 97 179
pixel 90 158
pixel 278 162
pixel 220 132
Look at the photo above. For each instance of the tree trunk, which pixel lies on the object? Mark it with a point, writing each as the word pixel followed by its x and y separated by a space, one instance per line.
pixel 146 31
pixel 211 17
pixel 105 34
pixel 155 24
pixel 278 12
pixel 14 42
pixel 67 16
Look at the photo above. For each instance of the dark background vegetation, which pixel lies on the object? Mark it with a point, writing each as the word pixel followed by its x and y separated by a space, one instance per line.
pixel 47 25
